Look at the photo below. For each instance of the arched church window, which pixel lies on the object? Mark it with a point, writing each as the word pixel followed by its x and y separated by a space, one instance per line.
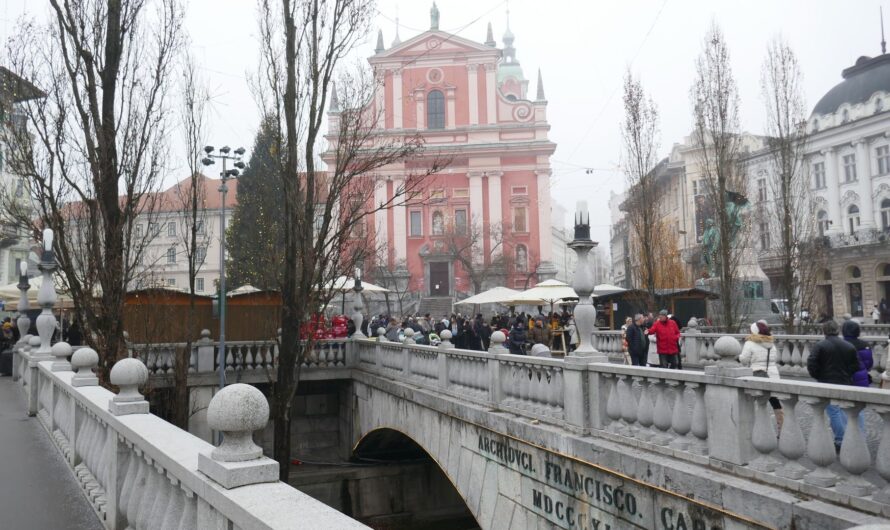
pixel 438 223
pixel 435 110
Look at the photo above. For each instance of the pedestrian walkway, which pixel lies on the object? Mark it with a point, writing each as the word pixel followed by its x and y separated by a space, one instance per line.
pixel 36 488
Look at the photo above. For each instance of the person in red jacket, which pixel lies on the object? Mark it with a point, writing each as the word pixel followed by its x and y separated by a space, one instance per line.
pixel 667 336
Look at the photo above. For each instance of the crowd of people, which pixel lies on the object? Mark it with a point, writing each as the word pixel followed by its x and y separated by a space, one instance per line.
pixel 522 330
pixel 653 341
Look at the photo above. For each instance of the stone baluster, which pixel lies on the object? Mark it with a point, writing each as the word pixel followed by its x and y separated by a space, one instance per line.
pixel 557 385
pixel 699 420
pixel 854 456
pixel 495 348
pixel 173 511
pixel 381 334
pixel 663 416
pixel 237 411
pixel 230 359
pixel 628 404
pixel 763 434
pixel 645 410
pixel 446 340
pixel 23 322
pixel 613 407
pixel 61 351
pixel 46 297
pixel 33 376
pixel 138 490
pixel 691 343
pixel 795 356
pixel 791 440
pixel 882 458
pixel 730 414
pixel 820 445
pixel 248 360
pixel 129 374
pixel 680 421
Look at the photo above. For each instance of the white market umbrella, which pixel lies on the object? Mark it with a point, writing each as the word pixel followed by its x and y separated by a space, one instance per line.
pixel 546 292
pixel 492 296
pixel 345 284
pixel 607 288
pixel 10 293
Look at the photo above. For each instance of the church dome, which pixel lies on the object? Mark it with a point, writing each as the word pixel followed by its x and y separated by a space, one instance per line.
pixel 861 81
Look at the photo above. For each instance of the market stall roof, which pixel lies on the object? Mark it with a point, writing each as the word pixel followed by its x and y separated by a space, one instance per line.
pixel 244 289
pixel 10 293
pixel 492 296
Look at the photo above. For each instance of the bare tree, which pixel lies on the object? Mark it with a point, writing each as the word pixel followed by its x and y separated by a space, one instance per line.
pixel 394 277
pixel 96 146
pixel 189 208
pixel 717 137
pixel 304 46
pixel 640 134
pixel 464 242
pixel 787 140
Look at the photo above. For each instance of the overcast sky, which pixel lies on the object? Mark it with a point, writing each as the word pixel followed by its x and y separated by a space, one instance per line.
pixel 583 49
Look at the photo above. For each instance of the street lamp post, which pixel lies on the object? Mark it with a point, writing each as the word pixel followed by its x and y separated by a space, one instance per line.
pixel 225 174
pixel 583 283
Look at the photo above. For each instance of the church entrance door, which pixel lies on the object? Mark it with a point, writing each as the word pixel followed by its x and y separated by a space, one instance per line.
pixel 439 278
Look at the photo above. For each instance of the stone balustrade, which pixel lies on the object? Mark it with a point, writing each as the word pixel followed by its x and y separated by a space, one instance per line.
pixel 698 350
pixel 719 418
pixel 140 472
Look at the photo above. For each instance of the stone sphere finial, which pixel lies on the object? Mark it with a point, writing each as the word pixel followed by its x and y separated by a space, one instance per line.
pixel 237 411
pixel 83 361
pixel 728 349
pixel 381 334
pixel 205 334
pixel 498 337
pixel 540 350
pixel 446 339
pixel 128 374
pixel 61 351
pixel 693 323
pixel 409 336
pixel 34 342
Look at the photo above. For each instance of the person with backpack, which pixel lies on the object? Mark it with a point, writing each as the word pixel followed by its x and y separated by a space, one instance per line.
pixel 760 353
pixel 851 330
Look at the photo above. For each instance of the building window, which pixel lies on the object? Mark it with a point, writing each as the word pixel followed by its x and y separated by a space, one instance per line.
pixel 753 290
pixel 521 258
pixel 171 282
pixel 883 155
pixel 520 221
pixel 761 190
pixel 153 229
pixel 460 221
pixel 437 195
pixel 885 214
pixel 819 175
pixel 200 228
pixel 199 285
pixel 435 110
pixel 438 223
pixel 853 218
pixel 171 255
pixel 416 223
pixel 138 230
pixel 850 168
pixel 171 229
pixel 519 190
pixel 19 187
pixel 200 255
pixel 694 188
pixel 764 236
pixel 854 272
pixel 823 222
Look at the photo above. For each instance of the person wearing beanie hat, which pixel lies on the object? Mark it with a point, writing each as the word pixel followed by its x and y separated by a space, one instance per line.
pixel 833 361
pixel 761 354
pixel 851 331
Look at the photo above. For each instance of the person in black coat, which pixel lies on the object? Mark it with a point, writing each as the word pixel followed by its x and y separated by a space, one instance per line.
pixel 834 361
pixel 483 331
pixel 637 343
pixel 518 336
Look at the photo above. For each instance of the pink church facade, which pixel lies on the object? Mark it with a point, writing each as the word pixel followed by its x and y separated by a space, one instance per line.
pixel 469 101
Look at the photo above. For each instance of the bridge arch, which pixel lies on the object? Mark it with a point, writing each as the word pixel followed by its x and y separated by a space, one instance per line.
pixel 490 495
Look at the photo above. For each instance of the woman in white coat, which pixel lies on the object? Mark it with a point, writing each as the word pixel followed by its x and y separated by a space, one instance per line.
pixel 761 354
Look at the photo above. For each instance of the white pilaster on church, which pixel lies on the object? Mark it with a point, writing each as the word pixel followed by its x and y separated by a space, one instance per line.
pixel 397 99
pixel 490 92
pixel 450 107
pixel 473 83
pixel 544 224
pixel 831 183
pixel 863 172
pixel 381 227
pixel 476 212
pixel 421 114
pixel 495 212
pixel 399 225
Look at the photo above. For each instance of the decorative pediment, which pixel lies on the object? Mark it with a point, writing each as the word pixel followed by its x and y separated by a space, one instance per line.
pixel 850 197
pixel 881 190
pixel 434 43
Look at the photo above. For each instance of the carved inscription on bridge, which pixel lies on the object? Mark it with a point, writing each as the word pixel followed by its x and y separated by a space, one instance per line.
pixel 576 495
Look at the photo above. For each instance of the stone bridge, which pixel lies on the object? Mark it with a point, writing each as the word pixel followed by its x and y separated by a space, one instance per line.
pixel 527 442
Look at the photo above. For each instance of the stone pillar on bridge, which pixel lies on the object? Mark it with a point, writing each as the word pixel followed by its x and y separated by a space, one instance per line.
pixel 730 414
pixel 237 411
pixel 495 391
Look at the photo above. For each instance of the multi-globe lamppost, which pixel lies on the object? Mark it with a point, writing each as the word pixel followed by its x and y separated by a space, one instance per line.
pixel 225 175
